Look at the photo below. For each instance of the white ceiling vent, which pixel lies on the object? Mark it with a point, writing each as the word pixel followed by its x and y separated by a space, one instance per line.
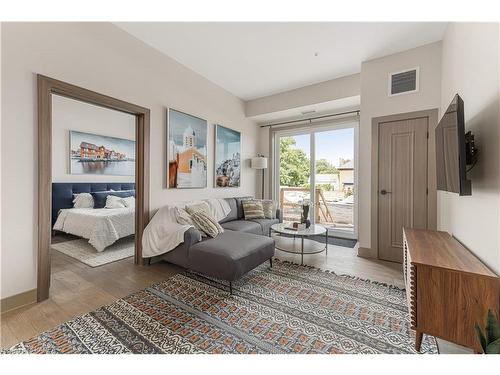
pixel 403 82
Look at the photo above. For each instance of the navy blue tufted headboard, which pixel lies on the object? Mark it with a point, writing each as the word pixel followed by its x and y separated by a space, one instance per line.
pixel 62 192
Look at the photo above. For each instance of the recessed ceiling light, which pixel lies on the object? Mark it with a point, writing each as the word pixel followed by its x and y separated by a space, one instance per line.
pixel 316 53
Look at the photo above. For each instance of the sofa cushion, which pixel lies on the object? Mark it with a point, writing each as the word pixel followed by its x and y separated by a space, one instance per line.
pixel 233 215
pixel 243 226
pixel 252 209
pixel 265 224
pixel 230 254
pixel 239 206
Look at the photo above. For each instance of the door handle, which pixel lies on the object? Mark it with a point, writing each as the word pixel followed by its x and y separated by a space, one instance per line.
pixel 384 192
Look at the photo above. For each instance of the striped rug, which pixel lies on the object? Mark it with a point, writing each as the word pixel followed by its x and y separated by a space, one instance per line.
pixel 286 309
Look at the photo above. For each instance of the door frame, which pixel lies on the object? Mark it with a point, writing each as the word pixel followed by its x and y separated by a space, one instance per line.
pixel 311 128
pixel 432 115
pixel 46 87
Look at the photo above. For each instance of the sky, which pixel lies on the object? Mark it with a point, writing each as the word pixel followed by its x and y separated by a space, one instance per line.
pixel 228 143
pixel 179 122
pixel 330 145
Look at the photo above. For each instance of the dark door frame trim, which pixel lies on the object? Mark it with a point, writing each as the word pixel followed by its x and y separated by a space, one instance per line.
pixel 46 88
pixel 432 115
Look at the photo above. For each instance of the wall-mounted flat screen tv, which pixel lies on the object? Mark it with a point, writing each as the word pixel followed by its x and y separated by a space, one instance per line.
pixel 453 149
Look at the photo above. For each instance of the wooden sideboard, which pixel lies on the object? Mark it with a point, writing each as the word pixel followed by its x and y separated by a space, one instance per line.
pixel 449 290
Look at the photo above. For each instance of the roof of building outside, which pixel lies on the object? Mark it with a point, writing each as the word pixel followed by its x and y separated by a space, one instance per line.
pixel 325 178
pixel 347 165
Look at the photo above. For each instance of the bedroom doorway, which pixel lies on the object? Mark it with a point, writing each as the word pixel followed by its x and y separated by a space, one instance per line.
pixel 93 185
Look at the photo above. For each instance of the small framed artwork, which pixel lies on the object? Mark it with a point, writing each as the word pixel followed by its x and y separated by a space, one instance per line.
pixel 227 157
pixel 100 154
pixel 186 150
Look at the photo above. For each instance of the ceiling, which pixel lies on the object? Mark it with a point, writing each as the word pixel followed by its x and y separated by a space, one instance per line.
pixel 252 60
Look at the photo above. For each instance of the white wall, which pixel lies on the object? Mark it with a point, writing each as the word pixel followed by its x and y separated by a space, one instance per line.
pixel 102 58
pixel 69 114
pixel 470 67
pixel 375 102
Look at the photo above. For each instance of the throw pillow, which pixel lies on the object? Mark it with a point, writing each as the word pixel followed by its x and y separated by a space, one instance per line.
pixel 207 223
pixel 195 207
pixel 269 207
pixel 129 202
pixel 183 218
pixel 83 200
pixel 113 201
pixel 252 209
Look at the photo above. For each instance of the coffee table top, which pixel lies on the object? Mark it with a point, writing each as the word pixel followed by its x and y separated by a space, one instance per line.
pixel 313 230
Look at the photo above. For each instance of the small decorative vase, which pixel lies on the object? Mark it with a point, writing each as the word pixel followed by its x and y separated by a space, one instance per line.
pixel 304 217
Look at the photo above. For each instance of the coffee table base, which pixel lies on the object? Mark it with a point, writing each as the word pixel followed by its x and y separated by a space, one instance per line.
pixel 300 245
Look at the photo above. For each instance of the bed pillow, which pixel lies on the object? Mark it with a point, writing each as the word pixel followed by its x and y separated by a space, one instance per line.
pixel 100 196
pixel 206 223
pixel 112 201
pixel 252 209
pixel 83 200
pixel 129 202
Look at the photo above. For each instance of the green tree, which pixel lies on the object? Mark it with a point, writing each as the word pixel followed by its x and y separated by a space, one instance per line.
pixel 323 166
pixel 294 164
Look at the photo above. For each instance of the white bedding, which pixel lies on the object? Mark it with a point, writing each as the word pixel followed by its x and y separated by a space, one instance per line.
pixel 101 226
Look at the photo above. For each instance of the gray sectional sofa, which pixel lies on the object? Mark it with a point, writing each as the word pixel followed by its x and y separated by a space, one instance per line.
pixel 244 245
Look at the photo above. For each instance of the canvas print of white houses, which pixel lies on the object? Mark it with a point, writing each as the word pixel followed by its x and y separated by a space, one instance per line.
pixel 227 157
pixel 99 154
pixel 187 150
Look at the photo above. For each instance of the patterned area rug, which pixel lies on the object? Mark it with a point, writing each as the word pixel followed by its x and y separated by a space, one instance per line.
pixel 286 309
pixel 84 252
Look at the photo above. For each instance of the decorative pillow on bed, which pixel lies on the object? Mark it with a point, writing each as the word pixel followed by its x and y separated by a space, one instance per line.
pixel 253 209
pixel 112 201
pixel 83 200
pixel 129 202
pixel 100 196
pixel 206 223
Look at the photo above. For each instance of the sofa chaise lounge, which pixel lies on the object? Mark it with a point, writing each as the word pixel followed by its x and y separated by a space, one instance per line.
pixel 244 245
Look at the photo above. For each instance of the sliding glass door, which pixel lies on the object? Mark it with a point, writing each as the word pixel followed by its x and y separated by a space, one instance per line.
pixel 317 166
pixel 294 174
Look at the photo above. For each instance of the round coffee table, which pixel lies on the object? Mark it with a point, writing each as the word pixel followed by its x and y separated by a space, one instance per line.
pixel 291 245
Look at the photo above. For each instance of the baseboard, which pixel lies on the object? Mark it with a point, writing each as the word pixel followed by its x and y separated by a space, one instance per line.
pixel 365 252
pixel 18 300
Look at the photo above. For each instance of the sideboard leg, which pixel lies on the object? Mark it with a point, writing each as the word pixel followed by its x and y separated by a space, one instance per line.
pixel 418 340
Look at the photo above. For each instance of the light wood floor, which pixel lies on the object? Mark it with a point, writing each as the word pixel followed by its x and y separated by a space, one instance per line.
pixel 77 289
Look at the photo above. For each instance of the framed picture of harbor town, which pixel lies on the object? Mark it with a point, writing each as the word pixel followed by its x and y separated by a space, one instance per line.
pixel 186 151
pixel 227 157
pixel 99 154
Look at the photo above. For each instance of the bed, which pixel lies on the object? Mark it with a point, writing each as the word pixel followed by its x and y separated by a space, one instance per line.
pixel 101 226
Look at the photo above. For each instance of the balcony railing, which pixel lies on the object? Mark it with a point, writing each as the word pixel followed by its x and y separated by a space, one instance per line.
pixel 330 207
